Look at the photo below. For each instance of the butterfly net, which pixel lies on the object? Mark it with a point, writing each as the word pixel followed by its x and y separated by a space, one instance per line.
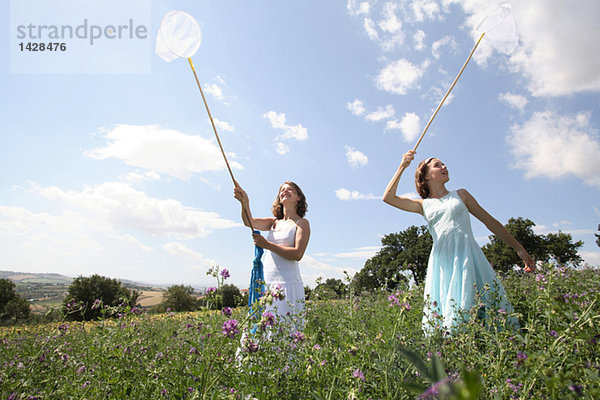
pixel 178 36
pixel 500 29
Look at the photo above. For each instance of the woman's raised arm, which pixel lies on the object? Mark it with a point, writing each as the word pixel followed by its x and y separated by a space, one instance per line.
pixel 390 197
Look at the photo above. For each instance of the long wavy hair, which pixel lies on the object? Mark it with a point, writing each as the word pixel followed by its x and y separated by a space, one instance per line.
pixel 420 181
pixel 301 206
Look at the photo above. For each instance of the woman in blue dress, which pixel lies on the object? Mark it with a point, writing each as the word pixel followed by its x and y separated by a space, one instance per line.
pixel 457 267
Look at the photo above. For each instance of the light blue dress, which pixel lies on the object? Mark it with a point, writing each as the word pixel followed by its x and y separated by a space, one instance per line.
pixel 457 267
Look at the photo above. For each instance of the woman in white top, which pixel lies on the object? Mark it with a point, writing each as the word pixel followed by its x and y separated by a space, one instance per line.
pixel 285 245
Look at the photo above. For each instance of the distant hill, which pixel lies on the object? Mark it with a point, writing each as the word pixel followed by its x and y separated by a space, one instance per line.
pixel 24 278
pixel 45 290
pixel 27 277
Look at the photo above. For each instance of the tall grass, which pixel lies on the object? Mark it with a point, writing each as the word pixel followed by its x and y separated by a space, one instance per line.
pixel 365 346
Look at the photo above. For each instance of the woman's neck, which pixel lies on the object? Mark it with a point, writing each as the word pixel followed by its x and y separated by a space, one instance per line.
pixel 437 191
pixel 290 213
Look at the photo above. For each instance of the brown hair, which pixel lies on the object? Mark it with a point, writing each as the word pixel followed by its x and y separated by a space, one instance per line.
pixel 301 206
pixel 420 181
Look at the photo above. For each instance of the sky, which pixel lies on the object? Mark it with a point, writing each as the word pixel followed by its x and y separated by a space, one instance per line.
pixel 111 166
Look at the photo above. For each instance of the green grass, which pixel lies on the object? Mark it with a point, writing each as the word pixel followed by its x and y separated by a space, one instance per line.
pixel 360 347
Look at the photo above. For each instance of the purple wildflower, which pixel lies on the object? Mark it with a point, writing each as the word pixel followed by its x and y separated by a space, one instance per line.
pixel 358 374
pixel 230 328
pixel 277 292
pixel 225 273
pixel 226 311
pixel 193 350
pixel 97 304
pixel 81 369
pixel 433 390
pixel 502 311
pixel 520 358
pixel 268 319
pixel 211 290
pixel 298 337
pixel 250 346
pixel 553 333
pixel 578 389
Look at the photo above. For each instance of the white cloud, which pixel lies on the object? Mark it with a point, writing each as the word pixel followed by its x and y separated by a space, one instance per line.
pixel 446 41
pixel 118 204
pixel 311 269
pixel 278 121
pixel 591 257
pixel 369 26
pixel 356 107
pixel 391 26
pixel 555 146
pixel 514 100
pixel 381 113
pixel 419 39
pixel 425 9
pixel 138 177
pixel 361 252
pixel 355 7
pixel 355 158
pixel 399 76
pixel 161 150
pixel 559 61
pixel 557 44
pixel 214 90
pixel 410 126
pixel 181 250
pixel 345 194
pixel 281 148
pixel 223 126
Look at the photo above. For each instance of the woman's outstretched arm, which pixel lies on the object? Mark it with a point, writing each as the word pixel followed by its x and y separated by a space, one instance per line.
pixel 404 203
pixel 496 228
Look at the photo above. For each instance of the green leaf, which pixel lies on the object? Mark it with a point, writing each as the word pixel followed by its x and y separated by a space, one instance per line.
pixel 417 362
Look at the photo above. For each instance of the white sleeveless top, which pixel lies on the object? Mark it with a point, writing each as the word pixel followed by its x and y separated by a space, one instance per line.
pixel 278 269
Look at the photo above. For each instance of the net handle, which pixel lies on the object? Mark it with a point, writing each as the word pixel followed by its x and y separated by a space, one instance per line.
pixel 448 92
pixel 219 140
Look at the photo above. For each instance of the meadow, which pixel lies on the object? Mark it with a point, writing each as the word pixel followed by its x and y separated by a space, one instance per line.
pixel 367 346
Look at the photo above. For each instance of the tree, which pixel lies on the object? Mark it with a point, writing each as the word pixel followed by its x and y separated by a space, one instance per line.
pixel 324 292
pixel 12 306
pixel 331 289
pixel 561 249
pixel 552 247
pixel 179 298
pixel 598 236
pixel 230 295
pixel 407 250
pixel 307 292
pixel 84 291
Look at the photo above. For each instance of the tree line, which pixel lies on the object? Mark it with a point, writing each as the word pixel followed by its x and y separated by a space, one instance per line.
pixel 403 255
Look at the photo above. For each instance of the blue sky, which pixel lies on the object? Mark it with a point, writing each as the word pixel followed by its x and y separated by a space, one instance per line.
pixel 111 166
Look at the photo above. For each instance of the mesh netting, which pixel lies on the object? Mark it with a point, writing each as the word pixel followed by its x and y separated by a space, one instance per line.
pixel 500 29
pixel 178 36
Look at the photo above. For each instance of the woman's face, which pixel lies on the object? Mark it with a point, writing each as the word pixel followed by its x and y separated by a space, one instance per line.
pixel 437 171
pixel 287 194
